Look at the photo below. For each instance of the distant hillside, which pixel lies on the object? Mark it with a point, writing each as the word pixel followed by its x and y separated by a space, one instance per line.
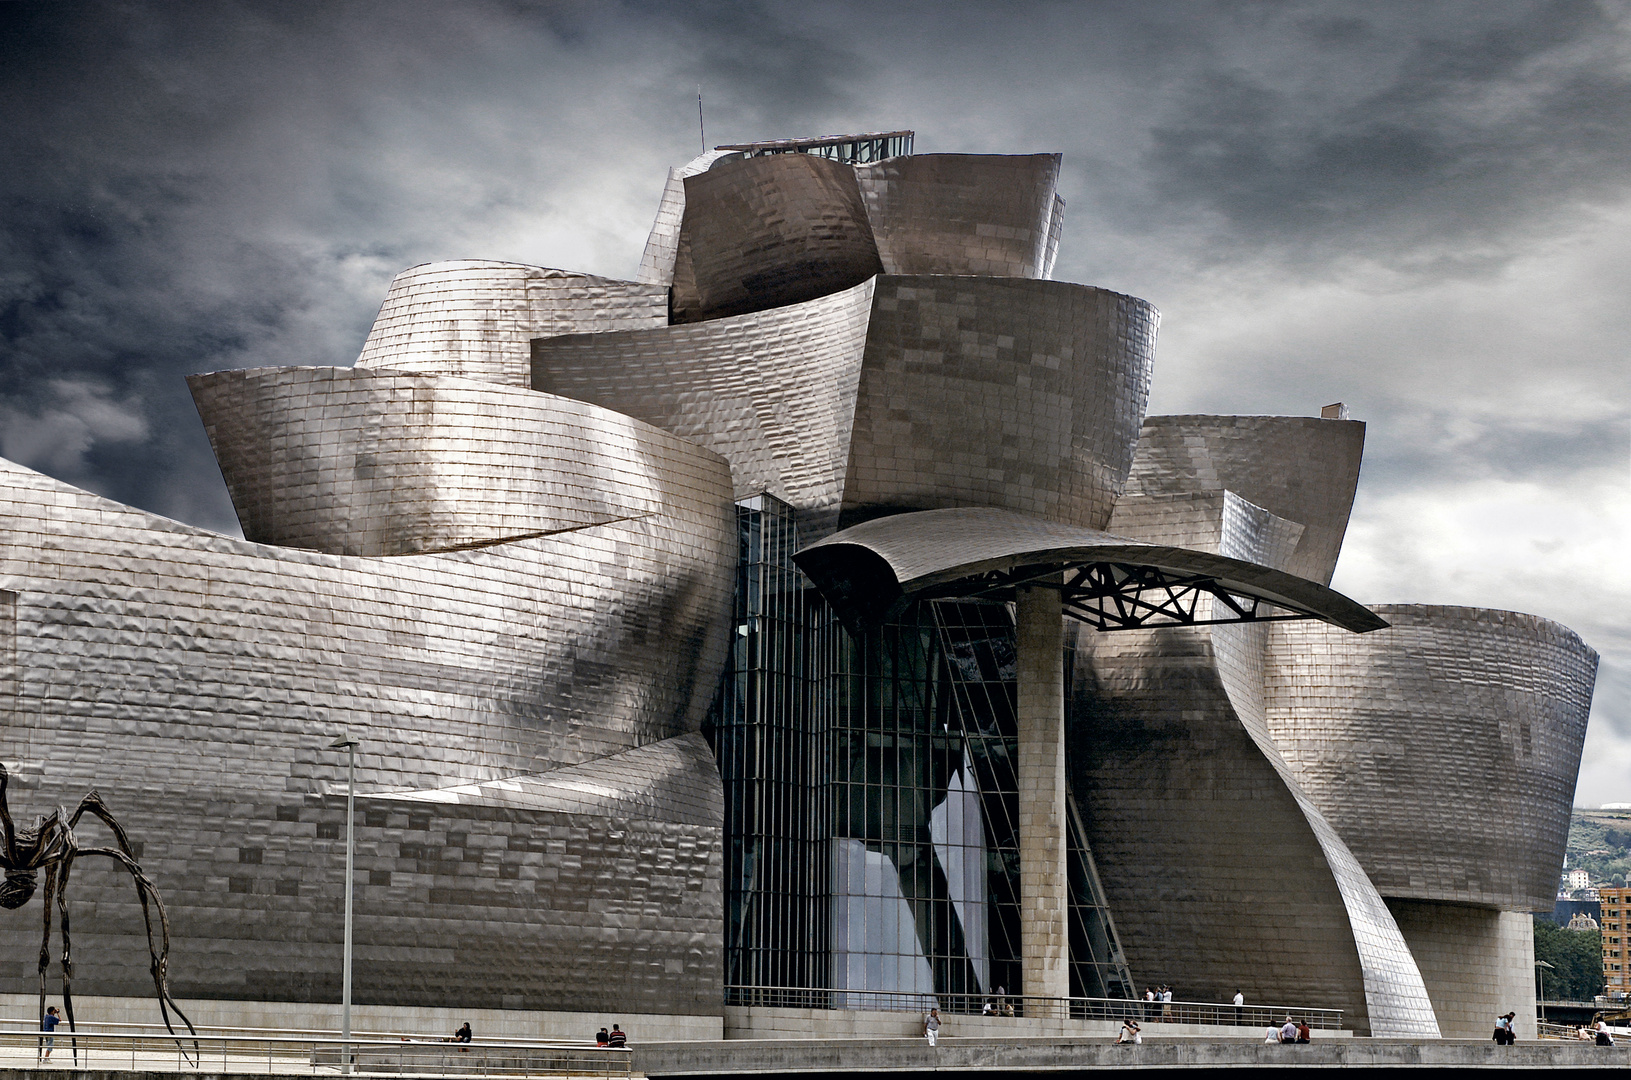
pixel 1600 844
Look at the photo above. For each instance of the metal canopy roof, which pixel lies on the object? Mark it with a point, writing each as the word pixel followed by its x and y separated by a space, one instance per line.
pixel 872 570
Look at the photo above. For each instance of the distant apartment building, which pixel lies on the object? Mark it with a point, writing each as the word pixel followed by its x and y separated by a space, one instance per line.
pixel 1579 879
pixel 1615 903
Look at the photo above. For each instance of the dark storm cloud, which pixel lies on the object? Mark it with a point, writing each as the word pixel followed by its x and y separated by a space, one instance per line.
pixel 1432 137
pixel 203 185
pixel 1415 448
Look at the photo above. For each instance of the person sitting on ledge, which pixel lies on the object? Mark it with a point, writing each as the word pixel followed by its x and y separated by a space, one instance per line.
pixel 1129 1033
pixel 1303 1033
pixel 602 1037
pixel 1288 1031
pixel 617 1038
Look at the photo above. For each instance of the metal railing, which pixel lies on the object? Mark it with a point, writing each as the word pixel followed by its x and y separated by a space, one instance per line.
pixel 325 1053
pixel 1220 1014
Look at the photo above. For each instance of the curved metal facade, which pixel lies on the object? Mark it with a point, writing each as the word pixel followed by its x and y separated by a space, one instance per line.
pixel 473 319
pixel 898 394
pixel 1208 848
pixel 520 602
pixel 765 232
pixel 960 214
pixel 1303 469
pixel 195 678
pixel 868 569
pixel 357 462
pixel 1432 745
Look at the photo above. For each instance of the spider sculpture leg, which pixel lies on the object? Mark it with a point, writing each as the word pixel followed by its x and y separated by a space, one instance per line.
pixel 67 944
pixel 148 894
pixel 159 959
pixel 45 945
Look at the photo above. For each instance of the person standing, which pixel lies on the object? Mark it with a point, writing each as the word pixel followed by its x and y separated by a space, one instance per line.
pixel 931 1026
pixel 48 1024
pixel 1240 999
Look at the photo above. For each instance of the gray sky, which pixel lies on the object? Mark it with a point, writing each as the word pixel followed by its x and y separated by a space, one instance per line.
pixel 1423 210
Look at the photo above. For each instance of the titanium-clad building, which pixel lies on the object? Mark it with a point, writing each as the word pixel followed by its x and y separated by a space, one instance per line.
pixel 818 619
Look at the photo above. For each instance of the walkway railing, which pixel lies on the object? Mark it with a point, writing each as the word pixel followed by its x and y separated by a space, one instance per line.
pixel 320 1054
pixel 1049 1008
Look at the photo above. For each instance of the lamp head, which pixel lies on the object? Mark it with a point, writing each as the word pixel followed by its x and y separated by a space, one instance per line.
pixel 343 743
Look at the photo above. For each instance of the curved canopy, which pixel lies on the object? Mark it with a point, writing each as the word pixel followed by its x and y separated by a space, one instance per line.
pixel 872 570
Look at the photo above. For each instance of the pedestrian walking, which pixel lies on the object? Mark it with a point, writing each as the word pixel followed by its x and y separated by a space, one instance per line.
pixel 931 1026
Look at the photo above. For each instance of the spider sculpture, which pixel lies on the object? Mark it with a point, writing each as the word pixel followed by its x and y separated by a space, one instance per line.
pixel 50 845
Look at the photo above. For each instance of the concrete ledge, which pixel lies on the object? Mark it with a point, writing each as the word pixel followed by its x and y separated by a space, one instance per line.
pixel 763 1056
pixel 493 1025
pixel 763 1022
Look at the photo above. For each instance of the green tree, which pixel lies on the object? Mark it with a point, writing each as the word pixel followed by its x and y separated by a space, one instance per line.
pixel 1576 957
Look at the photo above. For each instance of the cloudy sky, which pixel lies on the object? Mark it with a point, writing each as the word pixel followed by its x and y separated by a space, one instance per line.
pixel 1423 210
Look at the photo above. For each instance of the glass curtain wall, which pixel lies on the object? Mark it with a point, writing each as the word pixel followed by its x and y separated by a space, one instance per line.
pixel 768 730
pixel 871 799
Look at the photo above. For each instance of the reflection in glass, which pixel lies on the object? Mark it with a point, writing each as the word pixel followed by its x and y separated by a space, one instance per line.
pixel 872 808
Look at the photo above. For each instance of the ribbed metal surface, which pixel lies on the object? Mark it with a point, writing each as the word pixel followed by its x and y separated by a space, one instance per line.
pixel 765 232
pixel 902 393
pixel 982 214
pixel 354 461
pixel 474 319
pixel 1300 468
pixel 193 679
pixel 1209 851
pixel 1444 749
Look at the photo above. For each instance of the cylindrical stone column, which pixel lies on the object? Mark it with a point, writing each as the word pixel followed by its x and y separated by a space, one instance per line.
pixel 1043 884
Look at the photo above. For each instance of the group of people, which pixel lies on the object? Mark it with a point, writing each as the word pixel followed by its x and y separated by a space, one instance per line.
pixel 1505 1033
pixel 614 1038
pixel 997 1008
pixel 1597 1031
pixel 1292 1031
pixel 1153 995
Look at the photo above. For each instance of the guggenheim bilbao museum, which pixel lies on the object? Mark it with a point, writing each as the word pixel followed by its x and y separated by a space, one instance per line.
pixel 818 615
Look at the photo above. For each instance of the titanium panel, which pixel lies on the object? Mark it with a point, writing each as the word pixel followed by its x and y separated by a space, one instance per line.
pixel 357 462
pixel 765 232
pixel 474 319
pixel 998 392
pixel 991 215
pixel 773 392
pixel 1433 745
pixel 673 781
pixel 1190 811
pixel 899 394
pixel 663 244
pixel 193 679
pixel 1303 469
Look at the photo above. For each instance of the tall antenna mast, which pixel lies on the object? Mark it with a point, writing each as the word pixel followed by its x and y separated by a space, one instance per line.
pixel 700 128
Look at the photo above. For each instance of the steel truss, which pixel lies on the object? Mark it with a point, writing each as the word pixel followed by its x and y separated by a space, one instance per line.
pixel 1122 596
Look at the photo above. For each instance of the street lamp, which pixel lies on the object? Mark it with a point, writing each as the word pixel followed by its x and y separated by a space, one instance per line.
pixel 350 748
pixel 1541 967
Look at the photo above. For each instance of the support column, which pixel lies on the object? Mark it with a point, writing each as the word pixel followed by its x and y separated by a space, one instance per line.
pixel 1043 882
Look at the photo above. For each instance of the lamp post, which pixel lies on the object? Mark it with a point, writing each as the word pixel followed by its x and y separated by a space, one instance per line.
pixel 350 748
pixel 1541 967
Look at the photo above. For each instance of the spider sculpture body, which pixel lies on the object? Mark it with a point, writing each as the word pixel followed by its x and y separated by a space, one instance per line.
pixel 50 846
